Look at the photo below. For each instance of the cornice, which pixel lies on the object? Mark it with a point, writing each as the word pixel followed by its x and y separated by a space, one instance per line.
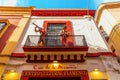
pixel 61 9
pixel 104 6
pixel 61 12
pixel 26 11
pixel 6 8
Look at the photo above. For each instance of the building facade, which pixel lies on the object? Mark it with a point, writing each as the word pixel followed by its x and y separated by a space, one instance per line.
pixel 107 19
pixel 85 56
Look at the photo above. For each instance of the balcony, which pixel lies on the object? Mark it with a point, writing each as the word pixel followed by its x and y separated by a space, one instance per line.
pixel 53 49
pixel 54 43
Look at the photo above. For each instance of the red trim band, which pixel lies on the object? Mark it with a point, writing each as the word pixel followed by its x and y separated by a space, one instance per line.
pixel 62 12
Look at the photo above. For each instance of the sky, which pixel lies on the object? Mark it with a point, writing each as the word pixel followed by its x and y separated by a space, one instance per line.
pixel 89 4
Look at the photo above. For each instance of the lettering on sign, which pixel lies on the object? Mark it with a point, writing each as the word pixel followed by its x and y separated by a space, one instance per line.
pixel 51 66
pixel 36 67
pixel 55 73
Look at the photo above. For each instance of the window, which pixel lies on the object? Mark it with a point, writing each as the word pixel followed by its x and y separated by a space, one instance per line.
pixel 101 28
pixel 113 49
pixel 53 30
pixel 2 25
pixel 104 34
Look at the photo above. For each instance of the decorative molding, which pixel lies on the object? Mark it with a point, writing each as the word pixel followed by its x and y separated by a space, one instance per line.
pixel 55 49
pixel 68 25
pixel 49 59
pixel 18 9
pixel 103 7
pixel 18 55
pixel 62 12
pixel 100 54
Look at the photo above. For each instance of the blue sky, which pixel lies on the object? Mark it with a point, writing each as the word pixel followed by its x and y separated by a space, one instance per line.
pixel 55 3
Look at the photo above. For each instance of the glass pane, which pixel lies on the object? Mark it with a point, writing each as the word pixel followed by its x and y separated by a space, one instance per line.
pixel 2 24
pixel 54 29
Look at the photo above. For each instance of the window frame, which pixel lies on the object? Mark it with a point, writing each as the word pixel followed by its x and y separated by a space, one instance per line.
pixel 2 31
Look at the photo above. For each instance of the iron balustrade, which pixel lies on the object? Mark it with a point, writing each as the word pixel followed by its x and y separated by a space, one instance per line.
pixel 55 40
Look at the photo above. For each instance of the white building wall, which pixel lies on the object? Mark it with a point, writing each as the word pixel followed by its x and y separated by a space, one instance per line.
pixel 81 26
pixel 107 21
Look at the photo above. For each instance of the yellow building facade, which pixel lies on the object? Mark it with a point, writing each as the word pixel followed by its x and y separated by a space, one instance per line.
pixel 108 20
pixel 17 16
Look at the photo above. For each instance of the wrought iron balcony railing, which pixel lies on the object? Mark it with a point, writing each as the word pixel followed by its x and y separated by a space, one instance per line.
pixel 56 40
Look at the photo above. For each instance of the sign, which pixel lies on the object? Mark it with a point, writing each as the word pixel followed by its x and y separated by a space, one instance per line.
pixel 83 74
pixel 54 73
pixel 52 66
pixel 37 67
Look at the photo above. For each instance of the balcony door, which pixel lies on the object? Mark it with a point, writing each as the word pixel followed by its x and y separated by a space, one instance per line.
pixel 53 30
